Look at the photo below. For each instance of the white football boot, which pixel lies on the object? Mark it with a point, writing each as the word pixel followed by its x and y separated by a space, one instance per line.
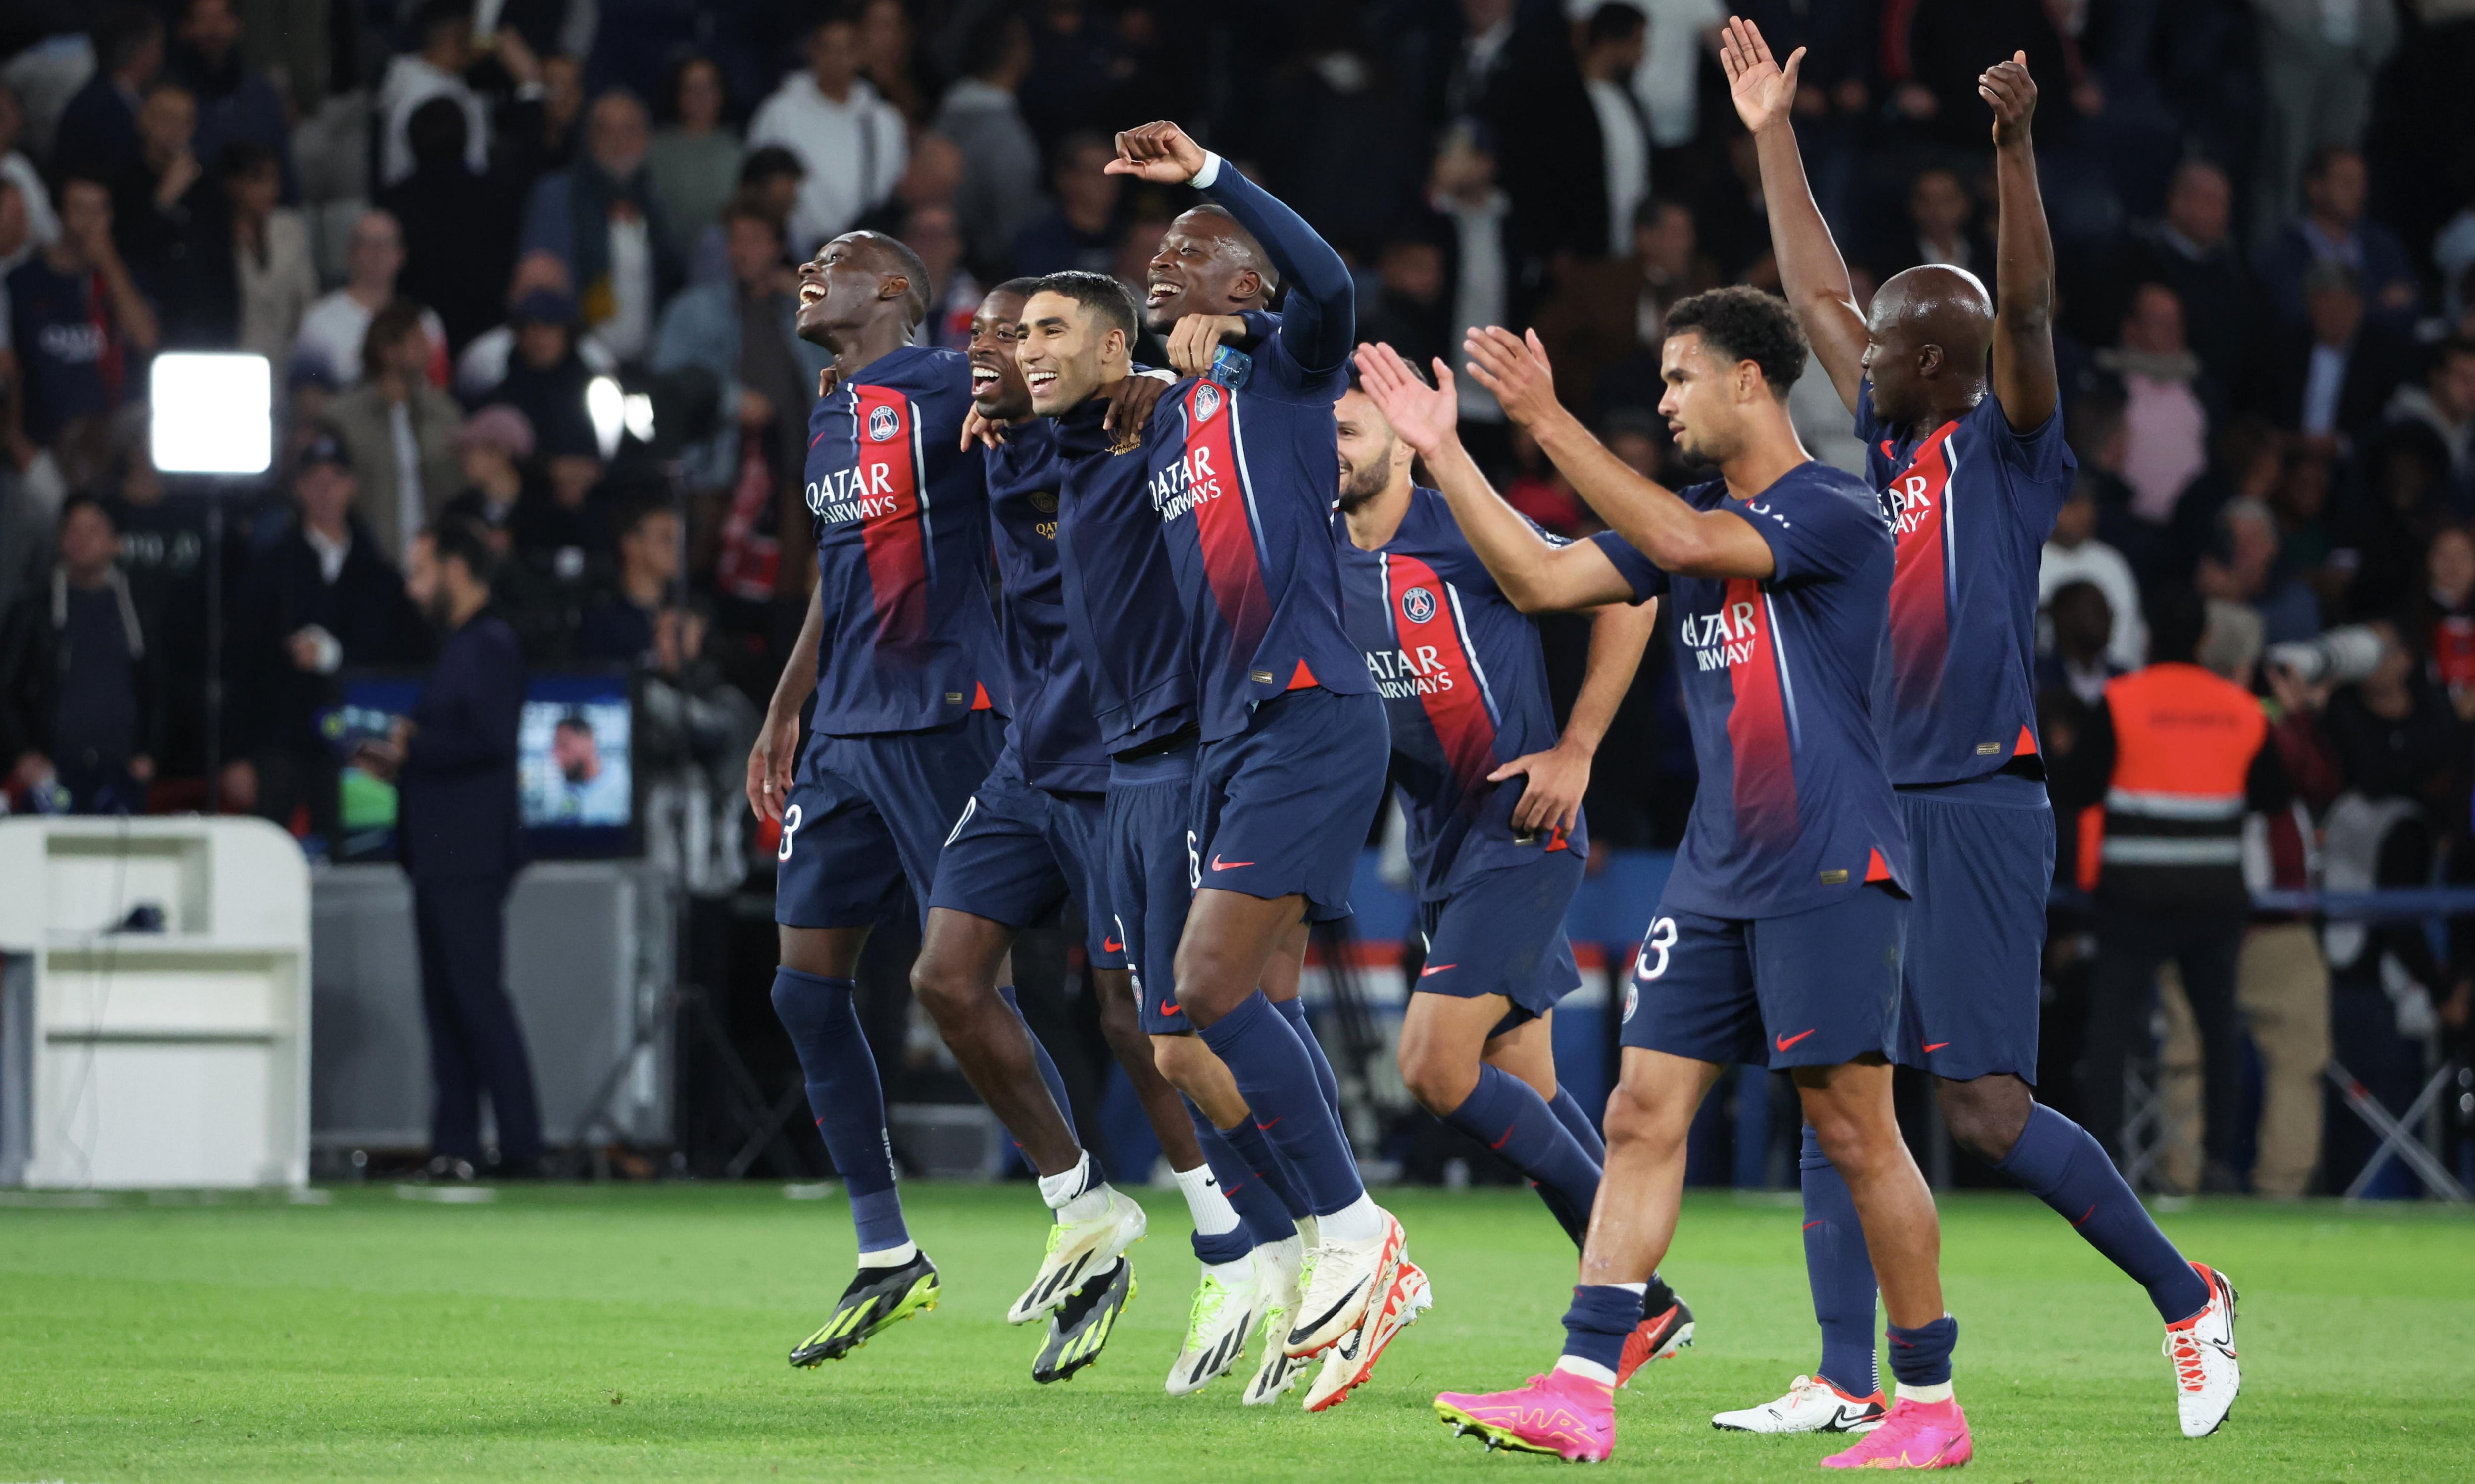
pixel 1227 1303
pixel 1078 1250
pixel 2207 1376
pixel 1811 1405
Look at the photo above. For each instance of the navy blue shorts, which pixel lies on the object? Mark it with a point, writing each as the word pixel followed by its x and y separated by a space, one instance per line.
pixel 1981 862
pixel 1022 853
pixel 868 816
pixel 1818 988
pixel 1151 875
pixel 1502 932
pixel 1283 808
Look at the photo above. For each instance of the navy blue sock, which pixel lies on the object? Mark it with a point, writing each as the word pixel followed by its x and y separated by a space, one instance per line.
pixel 1602 1316
pixel 1259 1155
pixel 2069 1171
pixel 1841 1272
pixel 844 1095
pixel 1048 1068
pixel 1278 1080
pixel 1295 1012
pixel 1261 1217
pixel 1576 1120
pixel 1508 1116
pixel 1922 1357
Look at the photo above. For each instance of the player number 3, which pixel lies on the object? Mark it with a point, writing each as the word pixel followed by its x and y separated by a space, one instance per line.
pixel 789 827
pixel 1663 938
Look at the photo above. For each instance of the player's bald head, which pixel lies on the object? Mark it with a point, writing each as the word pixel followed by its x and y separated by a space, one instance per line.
pixel 1207 265
pixel 1929 332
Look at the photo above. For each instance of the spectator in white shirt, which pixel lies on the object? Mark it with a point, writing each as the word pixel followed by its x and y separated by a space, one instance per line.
pixel 42 223
pixel 850 141
pixel 1611 50
pixel 2072 553
pixel 443 36
pixel 331 333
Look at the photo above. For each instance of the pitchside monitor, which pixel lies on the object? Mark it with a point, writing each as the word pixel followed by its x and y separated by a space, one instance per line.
pixel 575 765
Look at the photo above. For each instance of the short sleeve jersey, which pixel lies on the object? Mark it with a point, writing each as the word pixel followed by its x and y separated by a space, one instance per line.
pixel 1122 611
pixel 1971 504
pixel 901 519
pixel 1055 732
pixel 1243 485
pixel 1783 677
pixel 1464 685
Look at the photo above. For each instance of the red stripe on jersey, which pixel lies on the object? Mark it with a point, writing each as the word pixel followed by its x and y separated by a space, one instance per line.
pixel 1877 869
pixel 1220 522
pixel 1919 502
pixel 1446 681
pixel 980 697
pixel 2027 744
pixel 890 530
pixel 1303 678
pixel 1765 781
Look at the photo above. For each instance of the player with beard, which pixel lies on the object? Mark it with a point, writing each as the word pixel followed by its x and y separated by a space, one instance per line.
pixel 1492 795
pixel 900 651
pixel 1954 394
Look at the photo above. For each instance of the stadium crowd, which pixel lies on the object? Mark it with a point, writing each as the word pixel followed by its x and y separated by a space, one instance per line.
pixel 441 221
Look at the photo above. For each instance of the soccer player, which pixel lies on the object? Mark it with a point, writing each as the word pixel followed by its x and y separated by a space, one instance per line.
pixel 1030 840
pixel 899 650
pixel 1777 937
pixel 1972 469
pixel 1492 795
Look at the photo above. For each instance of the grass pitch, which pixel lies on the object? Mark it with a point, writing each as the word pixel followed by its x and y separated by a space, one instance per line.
pixel 640 1332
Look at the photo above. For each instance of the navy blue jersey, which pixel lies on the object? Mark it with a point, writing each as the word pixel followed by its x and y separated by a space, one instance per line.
pixel 1784 680
pixel 1972 503
pixel 1054 731
pixel 1122 614
pixel 902 549
pixel 1464 685
pixel 1243 483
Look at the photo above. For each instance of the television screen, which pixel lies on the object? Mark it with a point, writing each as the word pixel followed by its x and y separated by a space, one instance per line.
pixel 576 772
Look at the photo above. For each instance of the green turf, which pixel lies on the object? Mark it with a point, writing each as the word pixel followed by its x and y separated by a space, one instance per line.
pixel 641 1332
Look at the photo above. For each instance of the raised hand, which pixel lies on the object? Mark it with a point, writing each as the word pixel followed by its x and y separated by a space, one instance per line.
pixel 1515 370
pixel 1763 91
pixel 2012 93
pixel 1425 415
pixel 1160 153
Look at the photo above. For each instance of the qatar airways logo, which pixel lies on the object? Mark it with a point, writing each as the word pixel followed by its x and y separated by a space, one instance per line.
pixel 862 493
pixel 1406 674
pixel 1908 503
pixel 1721 639
pixel 1184 484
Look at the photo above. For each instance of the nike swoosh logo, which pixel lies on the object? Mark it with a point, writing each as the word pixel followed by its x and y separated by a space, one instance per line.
pixel 1267 1127
pixel 2084 1216
pixel 1508 1135
pixel 1938 1045
pixel 1786 1041
pixel 1112 946
pixel 1435 968
pixel 1167 1009
pixel 1218 864
pixel 1326 1317
pixel 1809 1225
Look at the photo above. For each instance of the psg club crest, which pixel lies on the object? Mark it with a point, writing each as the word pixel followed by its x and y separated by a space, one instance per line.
pixel 1632 997
pixel 1417 605
pixel 1043 502
pixel 1207 401
pixel 882 424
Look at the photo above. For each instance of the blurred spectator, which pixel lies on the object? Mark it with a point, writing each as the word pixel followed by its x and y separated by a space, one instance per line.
pixel 2333 229
pixel 1485 257
pixel 81 691
pixel 2165 414
pixel 2081 661
pixel 2443 620
pixel 744 332
pixel 2395 733
pixel 2243 566
pixel 2330 377
pixel 1603 314
pixel 695 159
pixel 338 325
pixel 769 179
pixel 2400 520
pixel 1940 228
pixel 233 102
pixel 442 32
pixel 953 295
pixel 493 448
pixel 273 279
pixel 80 328
pixel 1540 491
pixel 602 220
pixel 1412 310
pixel 1668 79
pixel 885 45
pixel 2072 554
pixel 694 729
pixel 848 140
pixel 620 628
pixel 546 373
pixel 1932 51
pixel 2445 404
pixel 2191 251
pixel 1614 40
pixel 42 223
pixel 562 109
pixel 160 204
pixel 2317 58
pixel 1079 229
pixel 97 133
pixel 458 228
pixel 322 598
pixel 1480 61
pixel 558 525
pixel 400 431
pixel 1000 188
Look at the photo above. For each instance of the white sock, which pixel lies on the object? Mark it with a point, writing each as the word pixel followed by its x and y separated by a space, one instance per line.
pixel 1077 1194
pixel 1924 1396
pixel 1310 1232
pixel 1211 1209
pixel 1637 1290
pixel 1589 1370
pixel 1359 1221
pixel 890 1256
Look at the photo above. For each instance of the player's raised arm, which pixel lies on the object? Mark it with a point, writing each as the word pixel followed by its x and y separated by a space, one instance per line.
pixel 2025 379
pixel 1673 535
pixel 1539 576
pixel 1812 274
pixel 1320 319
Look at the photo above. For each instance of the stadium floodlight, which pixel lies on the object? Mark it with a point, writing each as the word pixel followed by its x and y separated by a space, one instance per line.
pixel 213 413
